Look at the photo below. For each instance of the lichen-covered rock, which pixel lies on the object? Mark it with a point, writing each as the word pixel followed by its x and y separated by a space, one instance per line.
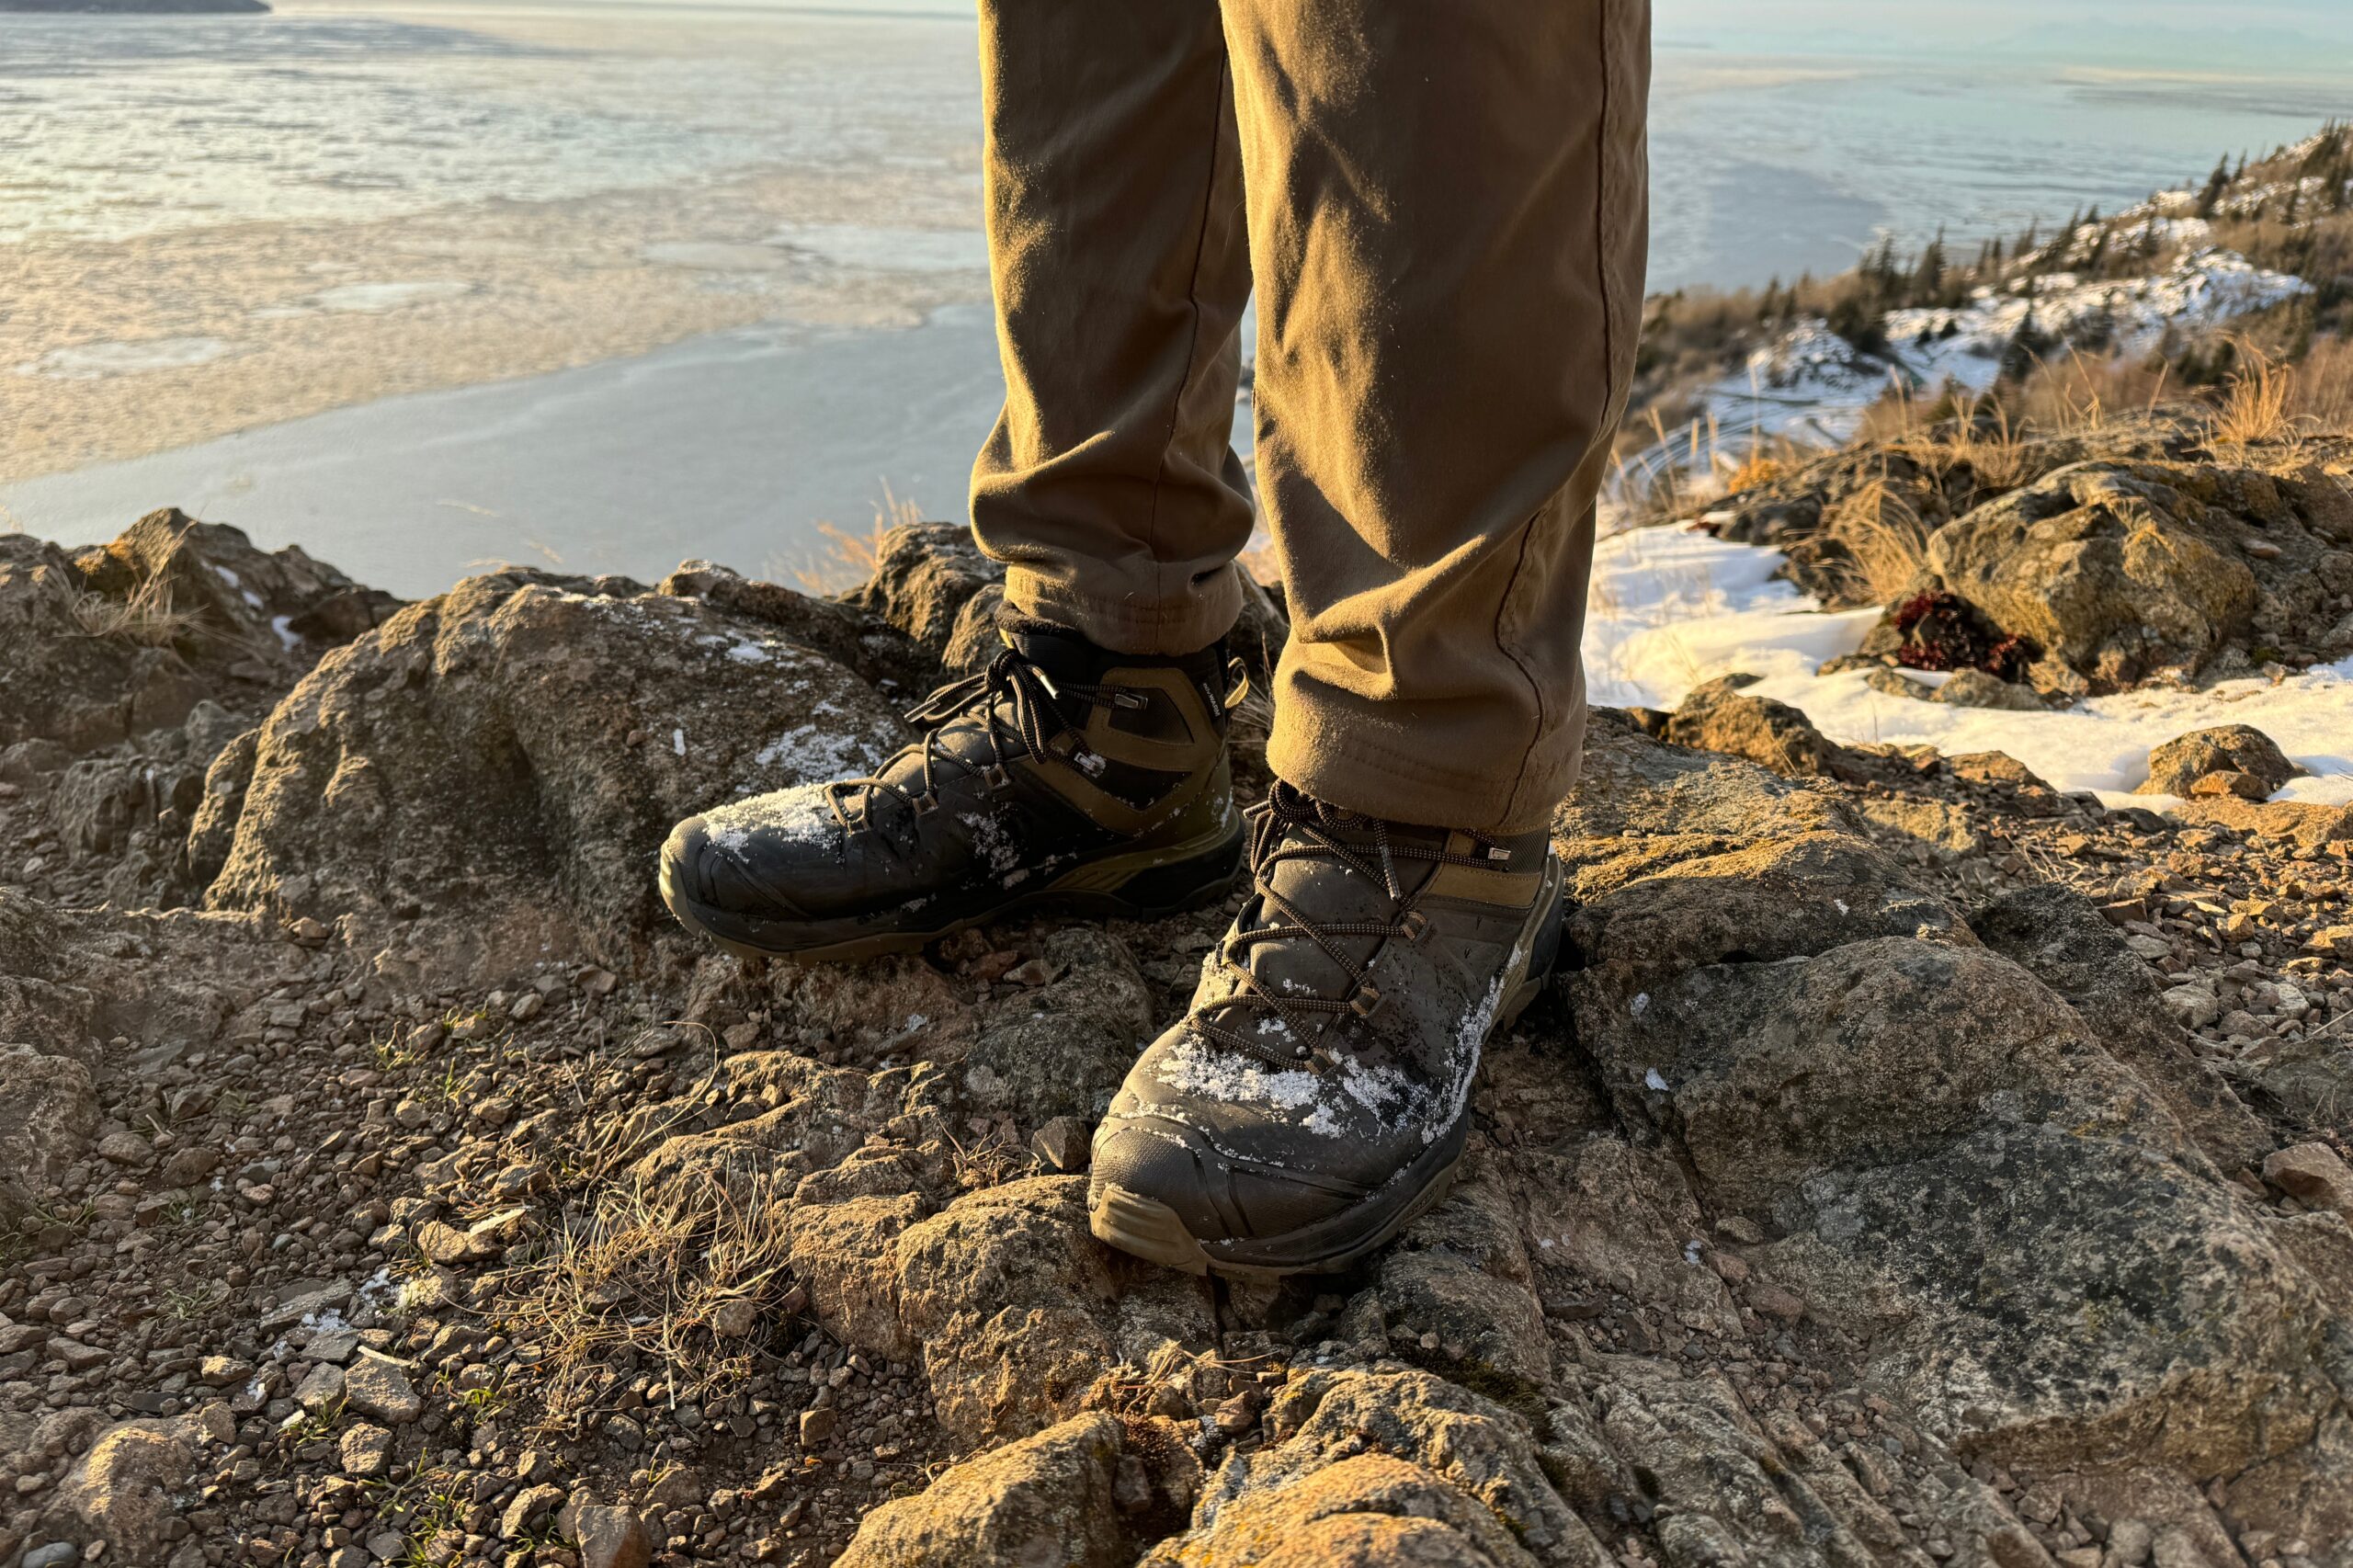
pixel 122 1490
pixel 2178 766
pixel 2126 571
pixel 504 761
pixel 2042 1295
pixel 1049 1498
pixel 1720 716
pixel 2067 944
pixel 925 577
pixel 1062 1048
pixel 1019 1310
pixel 1384 1468
pixel 49 1112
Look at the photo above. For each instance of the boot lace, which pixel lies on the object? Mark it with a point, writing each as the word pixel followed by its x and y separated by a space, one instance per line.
pixel 1292 825
pixel 1010 687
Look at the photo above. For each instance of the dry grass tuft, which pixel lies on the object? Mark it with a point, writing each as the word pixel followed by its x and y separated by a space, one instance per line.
pixel 2257 405
pixel 647 1272
pixel 1885 540
pixel 849 558
pixel 146 616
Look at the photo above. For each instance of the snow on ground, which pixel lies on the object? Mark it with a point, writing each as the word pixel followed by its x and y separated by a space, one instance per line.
pixel 1811 384
pixel 1673 607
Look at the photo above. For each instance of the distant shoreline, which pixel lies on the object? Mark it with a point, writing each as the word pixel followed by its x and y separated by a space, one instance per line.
pixel 136 7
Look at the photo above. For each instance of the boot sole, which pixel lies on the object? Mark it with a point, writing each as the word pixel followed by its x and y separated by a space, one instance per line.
pixel 1142 884
pixel 1147 1228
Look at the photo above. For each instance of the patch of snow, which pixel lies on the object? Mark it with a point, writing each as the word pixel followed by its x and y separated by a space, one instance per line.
pixel 796 816
pixel 1198 1068
pixel 281 624
pixel 1672 608
pixel 1652 1080
pixel 679 742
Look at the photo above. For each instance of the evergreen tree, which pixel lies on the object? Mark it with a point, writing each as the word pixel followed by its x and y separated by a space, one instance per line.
pixel 2217 184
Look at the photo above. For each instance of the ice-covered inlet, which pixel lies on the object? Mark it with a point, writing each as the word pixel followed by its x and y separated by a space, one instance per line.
pixel 1672 608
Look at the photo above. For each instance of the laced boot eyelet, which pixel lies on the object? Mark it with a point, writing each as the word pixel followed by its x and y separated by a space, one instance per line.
pixel 1367 1000
pixel 1413 925
pixel 997 777
pixel 927 804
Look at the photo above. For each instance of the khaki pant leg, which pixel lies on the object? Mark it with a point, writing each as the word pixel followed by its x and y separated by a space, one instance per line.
pixel 1114 219
pixel 1448 209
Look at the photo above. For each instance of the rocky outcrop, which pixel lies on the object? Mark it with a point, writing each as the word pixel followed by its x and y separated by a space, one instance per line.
pixel 1852 1197
pixel 500 764
pixel 108 642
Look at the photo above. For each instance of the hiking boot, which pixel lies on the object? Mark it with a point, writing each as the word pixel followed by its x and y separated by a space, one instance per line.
pixel 1060 775
pixel 1315 1099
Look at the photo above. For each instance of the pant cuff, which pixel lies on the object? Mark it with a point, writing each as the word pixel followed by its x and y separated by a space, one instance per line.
pixel 1165 628
pixel 1348 765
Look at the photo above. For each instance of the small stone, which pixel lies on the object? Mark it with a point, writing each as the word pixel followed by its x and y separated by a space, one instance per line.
pixel 222 1371
pixel 56 1554
pixel 2335 941
pixel 366 1451
pixel 816 1427
pixel 1786 1306
pixel 321 1390
pixel 608 1537
pixel 1063 1143
pixel 733 1320
pixel 526 1007
pixel 127 1149
pixel 2313 1173
pixel 375 1387
pixel 385 1545
pixel 532 1505
pixel 443 1244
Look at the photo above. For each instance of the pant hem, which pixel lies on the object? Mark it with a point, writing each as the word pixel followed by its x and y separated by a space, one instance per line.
pixel 1164 629
pixel 1345 767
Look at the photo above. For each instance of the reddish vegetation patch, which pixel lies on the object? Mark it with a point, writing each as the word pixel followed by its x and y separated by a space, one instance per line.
pixel 1945 631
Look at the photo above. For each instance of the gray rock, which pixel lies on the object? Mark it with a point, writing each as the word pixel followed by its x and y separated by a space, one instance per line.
pixel 374 1386
pixel 2178 766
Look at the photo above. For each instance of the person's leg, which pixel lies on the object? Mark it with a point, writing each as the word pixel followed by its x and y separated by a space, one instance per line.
pixel 1447 212
pixel 1115 216
pixel 1085 766
pixel 1448 209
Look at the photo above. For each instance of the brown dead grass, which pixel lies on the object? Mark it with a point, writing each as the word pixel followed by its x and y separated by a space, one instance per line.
pixel 146 617
pixel 2257 405
pixel 849 558
pixel 648 1272
pixel 1886 540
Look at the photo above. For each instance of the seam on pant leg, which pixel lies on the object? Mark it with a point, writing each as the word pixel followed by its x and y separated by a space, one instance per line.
pixel 1192 297
pixel 1605 56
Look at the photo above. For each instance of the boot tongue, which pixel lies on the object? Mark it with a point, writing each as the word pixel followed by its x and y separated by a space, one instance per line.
pixel 1326 892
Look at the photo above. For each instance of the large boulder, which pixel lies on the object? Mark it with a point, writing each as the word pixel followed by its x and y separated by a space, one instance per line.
pixel 2178 766
pixel 501 763
pixel 2129 570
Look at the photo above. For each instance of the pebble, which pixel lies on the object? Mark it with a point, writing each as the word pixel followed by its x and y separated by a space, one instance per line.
pixel 375 1387
pixel 366 1451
